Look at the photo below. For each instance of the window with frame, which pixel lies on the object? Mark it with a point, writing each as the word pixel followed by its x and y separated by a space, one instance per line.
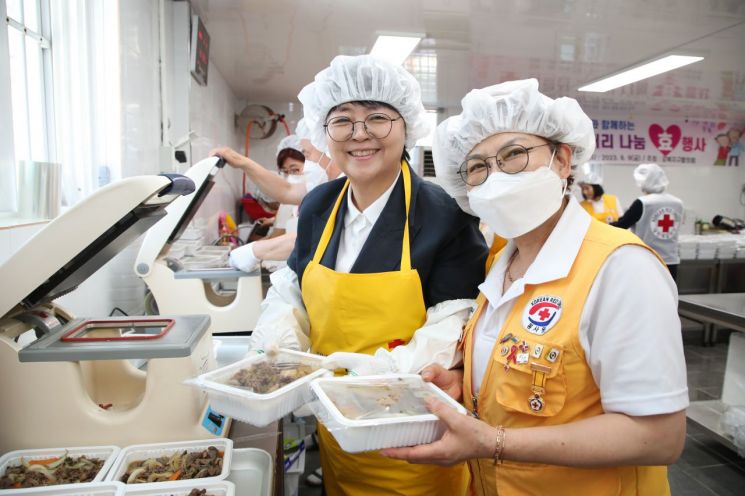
pixel 30 79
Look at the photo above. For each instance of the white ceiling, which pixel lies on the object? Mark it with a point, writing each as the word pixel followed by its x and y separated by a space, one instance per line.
pixel 268 49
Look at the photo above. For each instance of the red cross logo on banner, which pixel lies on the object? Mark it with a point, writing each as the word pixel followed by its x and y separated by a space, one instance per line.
pixel 664 223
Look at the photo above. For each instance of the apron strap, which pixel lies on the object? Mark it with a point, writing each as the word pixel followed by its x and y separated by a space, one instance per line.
pixel 328 230
pixel 405 248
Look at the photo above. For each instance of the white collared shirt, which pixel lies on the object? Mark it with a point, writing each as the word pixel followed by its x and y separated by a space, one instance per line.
pixel 357 227
pixel 634 348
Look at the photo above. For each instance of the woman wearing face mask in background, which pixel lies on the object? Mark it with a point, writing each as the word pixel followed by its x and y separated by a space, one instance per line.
pixel 278 187
pixel 300 172
pixel 573 361
pixel 385 265
pixel 299 175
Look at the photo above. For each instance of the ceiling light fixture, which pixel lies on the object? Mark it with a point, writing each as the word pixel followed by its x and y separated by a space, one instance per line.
pixel 395 49
pixel 639 72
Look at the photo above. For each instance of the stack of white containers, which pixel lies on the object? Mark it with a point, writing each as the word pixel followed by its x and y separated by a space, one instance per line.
pixel 688 246
pixel 740 250
pixel 726 246
pixel 711 246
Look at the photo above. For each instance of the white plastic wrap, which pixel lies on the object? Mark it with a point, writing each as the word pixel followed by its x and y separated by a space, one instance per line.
pixel 252 407
pixel 106 453
pixel 733 425
pixel 144 451
pixel 375 412
pixel 214 488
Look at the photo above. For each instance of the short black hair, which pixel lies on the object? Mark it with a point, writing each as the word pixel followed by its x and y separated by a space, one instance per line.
pixel 597 191
pixel 286 153
pixel 373 104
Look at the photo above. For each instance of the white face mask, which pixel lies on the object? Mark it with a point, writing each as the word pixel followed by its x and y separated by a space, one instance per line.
pixel 295 178
pixel 514 204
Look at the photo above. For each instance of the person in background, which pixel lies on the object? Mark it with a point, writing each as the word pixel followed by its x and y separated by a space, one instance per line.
pixel 656 216
pixel 596 202
pixel 573 361
pixel 300 172
pixel 385 266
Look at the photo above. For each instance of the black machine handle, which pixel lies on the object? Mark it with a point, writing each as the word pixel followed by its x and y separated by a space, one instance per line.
pixel 180 185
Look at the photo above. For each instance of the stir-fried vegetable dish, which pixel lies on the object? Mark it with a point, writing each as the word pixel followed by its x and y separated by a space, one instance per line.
pixel 179 466
pixel 50 471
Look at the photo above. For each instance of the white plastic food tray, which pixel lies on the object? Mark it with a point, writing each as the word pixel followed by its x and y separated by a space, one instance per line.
pixel 106 453
pixel 254 408
pixel 182 488
pixel 355 436
pixel 251 470
pixel 145 451
pixel 86 489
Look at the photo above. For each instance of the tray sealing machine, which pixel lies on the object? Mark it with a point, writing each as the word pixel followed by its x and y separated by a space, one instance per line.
pixel 73 384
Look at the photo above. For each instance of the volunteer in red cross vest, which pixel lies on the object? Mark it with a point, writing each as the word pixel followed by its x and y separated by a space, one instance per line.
pixel 656 216
pixel 385 268
pixel 573 361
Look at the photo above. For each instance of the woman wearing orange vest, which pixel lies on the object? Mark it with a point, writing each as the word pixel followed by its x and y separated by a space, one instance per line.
pixel 573 361
pixel 385 268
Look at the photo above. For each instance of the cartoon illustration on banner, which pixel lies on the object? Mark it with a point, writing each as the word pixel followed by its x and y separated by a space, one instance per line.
pixel 634 141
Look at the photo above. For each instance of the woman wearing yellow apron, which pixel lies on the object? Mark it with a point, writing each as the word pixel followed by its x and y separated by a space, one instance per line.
pixel 573 361
pixel 385 266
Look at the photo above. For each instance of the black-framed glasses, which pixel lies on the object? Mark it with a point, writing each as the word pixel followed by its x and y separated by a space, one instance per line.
pixel 376 126
pixel 510 159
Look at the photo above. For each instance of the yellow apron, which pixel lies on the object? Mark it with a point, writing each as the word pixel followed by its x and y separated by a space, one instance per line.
pixel 553 387
pixel 609 213
pixel 361 313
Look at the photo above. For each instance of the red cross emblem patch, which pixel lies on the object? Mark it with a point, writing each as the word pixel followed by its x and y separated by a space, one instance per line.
pixel 665 223
pixel 541 314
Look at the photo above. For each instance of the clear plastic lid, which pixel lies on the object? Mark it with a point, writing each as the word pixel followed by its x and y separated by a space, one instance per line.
pixel 271 372
pixel 390 398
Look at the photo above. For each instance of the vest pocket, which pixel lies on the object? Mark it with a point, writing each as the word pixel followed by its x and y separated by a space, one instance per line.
pixel 537 387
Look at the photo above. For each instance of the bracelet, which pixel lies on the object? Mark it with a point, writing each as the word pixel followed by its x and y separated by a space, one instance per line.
pixel 499 445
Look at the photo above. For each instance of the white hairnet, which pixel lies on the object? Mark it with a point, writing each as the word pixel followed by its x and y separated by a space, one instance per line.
pixel 290 141
pixel 650 178
pixel 590 174
pixel 363 77
pixel 513 106
pixel 302 129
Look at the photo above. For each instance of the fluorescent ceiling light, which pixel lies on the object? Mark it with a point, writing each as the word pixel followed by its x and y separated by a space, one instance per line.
pixel 394 49
pixel 638 73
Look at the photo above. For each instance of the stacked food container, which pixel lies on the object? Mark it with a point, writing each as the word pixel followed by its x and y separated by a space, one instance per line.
pixel 363 413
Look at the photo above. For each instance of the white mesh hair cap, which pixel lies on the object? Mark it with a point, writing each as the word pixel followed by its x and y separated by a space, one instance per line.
pixel 513 106
pixel 650 178
pixel 360 78
pixel 290 141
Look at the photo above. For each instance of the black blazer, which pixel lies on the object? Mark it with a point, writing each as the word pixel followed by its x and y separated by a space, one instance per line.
pixel 447 248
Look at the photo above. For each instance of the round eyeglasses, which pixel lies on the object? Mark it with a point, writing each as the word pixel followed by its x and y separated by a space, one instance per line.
pixel 510 159
pixel 376 126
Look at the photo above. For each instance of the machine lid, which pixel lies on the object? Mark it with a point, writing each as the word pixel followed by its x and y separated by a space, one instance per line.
pixel 76 244
pixel 179 214
pixel 119 338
